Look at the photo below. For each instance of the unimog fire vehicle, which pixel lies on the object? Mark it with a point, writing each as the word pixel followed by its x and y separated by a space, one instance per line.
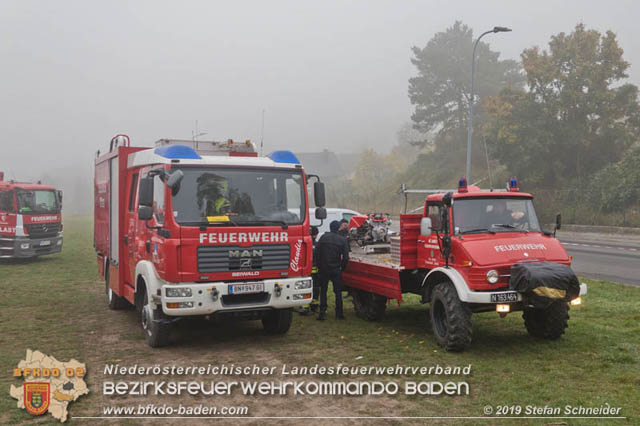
pixel 30 219
pixel 188 229
pixel 471 251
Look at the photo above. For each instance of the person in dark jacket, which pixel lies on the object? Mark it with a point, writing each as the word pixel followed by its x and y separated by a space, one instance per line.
pixel 333 254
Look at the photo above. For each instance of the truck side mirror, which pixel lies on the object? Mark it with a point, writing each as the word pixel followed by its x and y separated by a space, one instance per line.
pixel 145 213
pixel 145 192
pixel 425 226
pixel 558 221
pixel 174 180
pixel 59 192
pixel 321 213
pixel 318 194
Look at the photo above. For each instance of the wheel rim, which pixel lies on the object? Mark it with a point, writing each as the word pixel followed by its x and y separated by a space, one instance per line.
pixel 439 318
pixel 110 294
pixel 146 318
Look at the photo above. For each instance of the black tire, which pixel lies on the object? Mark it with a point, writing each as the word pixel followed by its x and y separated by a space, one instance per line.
pixel 450 318
pixel 156 332
pixel 369 306
pixel 114 301
pixel 549 323
pixel 278 321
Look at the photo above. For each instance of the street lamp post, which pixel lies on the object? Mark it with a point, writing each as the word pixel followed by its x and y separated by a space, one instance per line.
pixel 473 70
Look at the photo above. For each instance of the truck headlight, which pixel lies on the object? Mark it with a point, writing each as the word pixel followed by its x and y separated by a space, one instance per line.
pixel 301 285
pixel 178 292
pixel 492 276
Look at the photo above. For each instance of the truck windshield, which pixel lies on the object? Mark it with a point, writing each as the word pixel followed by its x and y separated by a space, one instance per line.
pixel 505 214
pixel 239 196
pixel 37 201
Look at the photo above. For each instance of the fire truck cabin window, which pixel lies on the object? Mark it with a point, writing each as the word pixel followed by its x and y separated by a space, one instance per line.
pixel 245 196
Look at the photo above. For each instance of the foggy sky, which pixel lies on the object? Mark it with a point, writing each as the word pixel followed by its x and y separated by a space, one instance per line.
pixel 330 74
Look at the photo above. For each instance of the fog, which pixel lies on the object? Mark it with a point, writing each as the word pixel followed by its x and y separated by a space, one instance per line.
pixel 327 74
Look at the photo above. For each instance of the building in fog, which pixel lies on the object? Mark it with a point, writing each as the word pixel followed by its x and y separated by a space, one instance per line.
pixel 328 164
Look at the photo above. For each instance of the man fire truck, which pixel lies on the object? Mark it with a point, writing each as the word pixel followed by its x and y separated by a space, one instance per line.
pixel 30 219
pixel 471 251
pixel 193 228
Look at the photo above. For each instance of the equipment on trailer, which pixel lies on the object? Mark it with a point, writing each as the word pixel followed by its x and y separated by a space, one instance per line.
pixel 371 232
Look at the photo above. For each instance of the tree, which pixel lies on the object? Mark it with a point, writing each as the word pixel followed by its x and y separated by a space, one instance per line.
pixel 440 91
pixel 576 115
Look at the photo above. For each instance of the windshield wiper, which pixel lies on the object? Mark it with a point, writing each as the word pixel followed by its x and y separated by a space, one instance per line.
pixel 207 223
pixel 478 230
pixel 282 223
pixel 508 226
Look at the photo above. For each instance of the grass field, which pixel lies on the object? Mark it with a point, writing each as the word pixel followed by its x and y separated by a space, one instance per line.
pixel 57 305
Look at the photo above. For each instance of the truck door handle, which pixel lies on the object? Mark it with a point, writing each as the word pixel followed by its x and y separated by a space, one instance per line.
pixel 147 245
pixel 126 240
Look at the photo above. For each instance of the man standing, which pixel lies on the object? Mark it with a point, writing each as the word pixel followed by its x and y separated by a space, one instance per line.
pixel 333 254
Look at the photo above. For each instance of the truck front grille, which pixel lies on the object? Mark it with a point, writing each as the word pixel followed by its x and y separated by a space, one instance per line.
pixel 42 230
pixel 236 258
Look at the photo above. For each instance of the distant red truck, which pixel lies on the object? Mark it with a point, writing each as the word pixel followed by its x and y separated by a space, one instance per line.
pixel 459 255
pixel 203 229
pixel 30 219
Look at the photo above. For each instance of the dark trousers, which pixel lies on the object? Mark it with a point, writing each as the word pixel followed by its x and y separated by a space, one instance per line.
pixel 316 286
pixel 335 276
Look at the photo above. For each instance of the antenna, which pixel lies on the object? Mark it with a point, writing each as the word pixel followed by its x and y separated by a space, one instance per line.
pixel 195 135
pixel 262 134
pixel 486 153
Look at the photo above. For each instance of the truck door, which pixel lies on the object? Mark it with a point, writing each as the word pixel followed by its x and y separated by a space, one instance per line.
pixel 429 255
pixel 129 256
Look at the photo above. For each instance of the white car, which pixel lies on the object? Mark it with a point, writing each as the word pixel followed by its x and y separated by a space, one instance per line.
pixel 332 214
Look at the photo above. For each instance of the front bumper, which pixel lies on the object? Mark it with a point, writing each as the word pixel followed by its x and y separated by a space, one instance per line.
pixel 21 247
pixel 486 297
pixel 209 298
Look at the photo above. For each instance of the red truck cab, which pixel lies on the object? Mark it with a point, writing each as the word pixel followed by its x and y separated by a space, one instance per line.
pixel 30 219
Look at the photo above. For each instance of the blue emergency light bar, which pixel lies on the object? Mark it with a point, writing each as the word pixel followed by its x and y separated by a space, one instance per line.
pixel 177 152
pixel 462 185
pixel 513 184
pixel 284 156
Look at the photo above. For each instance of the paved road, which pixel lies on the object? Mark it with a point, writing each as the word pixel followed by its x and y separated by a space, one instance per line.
pixel 605 258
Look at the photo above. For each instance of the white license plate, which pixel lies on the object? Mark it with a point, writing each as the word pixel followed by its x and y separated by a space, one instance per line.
pixel 510 296
pixel 246 288
pixel 45 243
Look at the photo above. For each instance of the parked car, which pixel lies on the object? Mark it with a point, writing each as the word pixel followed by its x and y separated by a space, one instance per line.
pixel 332 214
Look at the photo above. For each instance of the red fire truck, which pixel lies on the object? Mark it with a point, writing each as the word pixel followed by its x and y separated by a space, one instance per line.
pixel 30 219
pixel 193 228
pixel 459 255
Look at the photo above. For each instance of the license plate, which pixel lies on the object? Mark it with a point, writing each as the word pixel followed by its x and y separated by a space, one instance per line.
pixel 45 243
pixel 246 288
pixel 510 296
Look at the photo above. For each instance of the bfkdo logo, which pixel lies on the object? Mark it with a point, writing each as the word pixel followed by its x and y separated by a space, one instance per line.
pixel 49 385
pixel 36 398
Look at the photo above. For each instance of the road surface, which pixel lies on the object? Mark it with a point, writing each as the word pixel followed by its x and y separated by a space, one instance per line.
pixel 604 256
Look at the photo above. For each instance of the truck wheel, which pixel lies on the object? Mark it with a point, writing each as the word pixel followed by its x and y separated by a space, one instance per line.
pixel 156 332
pixel 549 323
pixel 369 306
pixel 114 301
pixel 450 318
pixel 278 321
